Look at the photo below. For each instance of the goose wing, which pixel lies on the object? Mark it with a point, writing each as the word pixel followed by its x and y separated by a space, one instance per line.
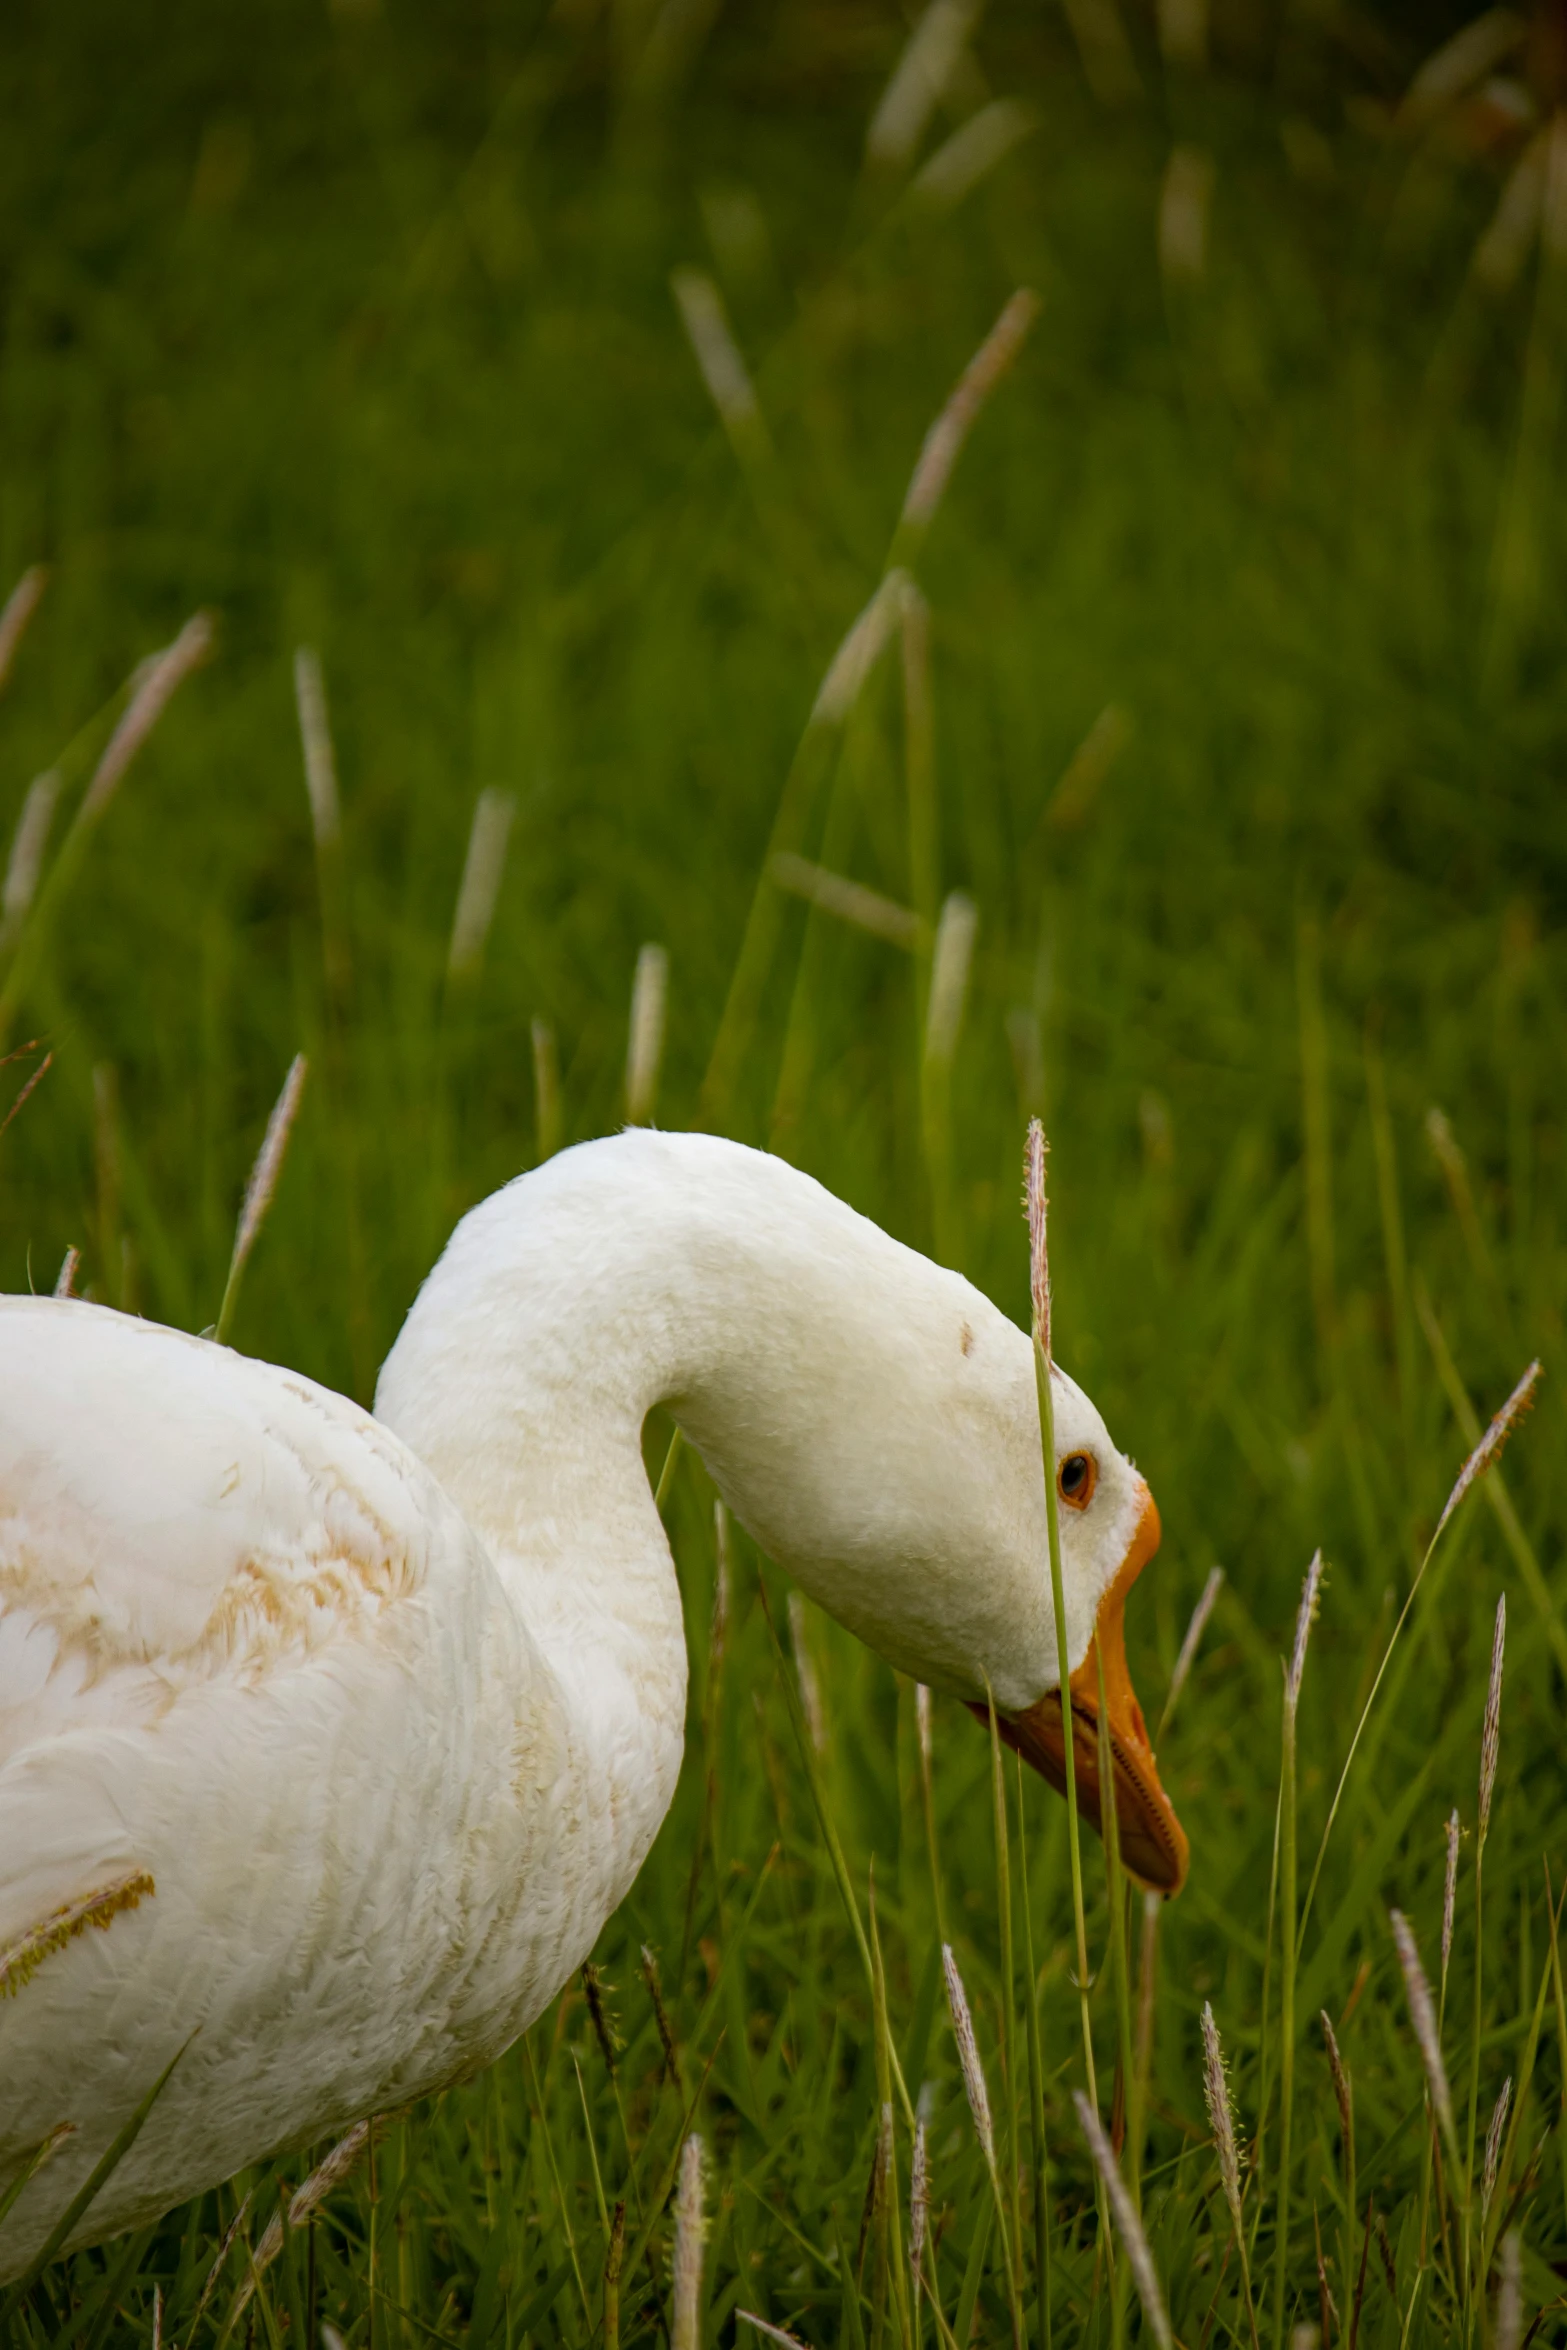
pixel 175 1521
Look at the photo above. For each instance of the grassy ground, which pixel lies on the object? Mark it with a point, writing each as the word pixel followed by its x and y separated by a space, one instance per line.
pixel 357 329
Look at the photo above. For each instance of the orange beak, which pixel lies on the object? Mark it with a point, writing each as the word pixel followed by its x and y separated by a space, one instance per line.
pixel 1154 1849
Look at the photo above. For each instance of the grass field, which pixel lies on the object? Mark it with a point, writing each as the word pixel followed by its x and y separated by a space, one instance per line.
pixel 1245 741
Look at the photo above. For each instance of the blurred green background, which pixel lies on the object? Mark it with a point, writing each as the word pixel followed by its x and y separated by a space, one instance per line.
pixel 355 325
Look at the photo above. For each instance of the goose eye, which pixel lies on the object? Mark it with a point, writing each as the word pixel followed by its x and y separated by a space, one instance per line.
pixel 1075 1480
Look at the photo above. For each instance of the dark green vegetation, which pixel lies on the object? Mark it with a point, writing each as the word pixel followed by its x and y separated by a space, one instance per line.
pixel 357 329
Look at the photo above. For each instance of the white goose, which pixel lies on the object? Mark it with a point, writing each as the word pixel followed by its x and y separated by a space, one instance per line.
pixel 350 1732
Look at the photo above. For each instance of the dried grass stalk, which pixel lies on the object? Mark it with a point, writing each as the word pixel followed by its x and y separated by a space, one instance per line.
pixel 1422 2015
pixel 1340 2078
pixel 20 605
pixel 921 75
pixel 303 2205
pixel 860 651
pixel 35 1079
pixel 1037 1205
pixel 968 2056
pixel 919 2205
pixel 949 970
pixel 28 844
pixel 150 697
pixel 598 2014
pixel 1490 1445
pixel 650 1976
pixel 315 735
pixel 1491 1739
pixel 1138 2253
pixel 1458 64
pixel 769 2332
pixel 805 1674
pixel 971 153
pixel 685 2330
pixel 717 353
pixel 546 1092
pixel 1190 1645
pixel 263 1184
pixel 849 901
pixel 216 2270
pixel 1450 1891
pixel 70 1266
pixel 1088 767
pixel 1216 2092
pixel 483 867
pixel 21 1958
pixel 1509 2293
pixel 1493 2150
pixel 943 443
pixel 645 1043
pixel 1306 1616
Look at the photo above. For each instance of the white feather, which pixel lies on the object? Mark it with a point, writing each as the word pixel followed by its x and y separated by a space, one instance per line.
pixel 389 1709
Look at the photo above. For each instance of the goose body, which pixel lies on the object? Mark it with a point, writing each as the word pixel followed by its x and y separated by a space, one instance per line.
pixel 328 1741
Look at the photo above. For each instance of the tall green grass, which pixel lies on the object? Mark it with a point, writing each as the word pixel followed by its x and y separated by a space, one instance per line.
pixel 1218 696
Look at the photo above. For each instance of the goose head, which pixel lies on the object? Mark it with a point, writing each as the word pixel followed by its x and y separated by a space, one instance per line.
pixel 1109 1530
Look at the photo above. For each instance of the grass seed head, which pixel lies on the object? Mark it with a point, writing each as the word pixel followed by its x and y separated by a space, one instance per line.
pixel 480 886
pixel 1493 2148
pixel 28 844
pixel 21 1957
pixel 150 696
pixel 919 2202
pixel 1450 1889
pixel 20 605
pixel 690 2233
pixel 645 1045
pixel 1193 1641
pixel 593 1992
pixel 769 2332
pixel 546 1092
pixel 922 1722
pixel 1509 2293
pixel 1423 2016
pixel 717 354
pixel 1490 1445
pixel 949 970
pixel 1037 1207
pixel 968 2055
pixel 269 1162
pixel 1491 1737
pixel 315 735
pixel 1340 2078
pixel 971 153
pixel 848 901
pixel 722 1578
pixel 650 1976
pixel 805 1674
pixel 303 2204
pixel 1140 2257
pixel 1306 1616
pixel 1384 2244
pixel 943 444
pixel 1216 2089
pixel 859 652
pixel 918 83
